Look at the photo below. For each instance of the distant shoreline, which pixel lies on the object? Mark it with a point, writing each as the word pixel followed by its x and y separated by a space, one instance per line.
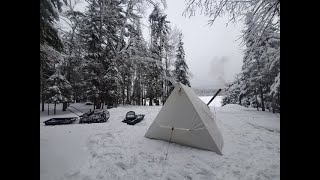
pixel 207 92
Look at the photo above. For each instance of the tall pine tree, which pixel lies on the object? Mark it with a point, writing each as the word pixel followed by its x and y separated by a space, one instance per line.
pixel 259 80
pixel 50 43
pixel 159 30
pixel 181 67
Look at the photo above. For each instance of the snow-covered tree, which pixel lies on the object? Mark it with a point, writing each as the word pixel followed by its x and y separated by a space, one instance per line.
pixel 49 14
pixel 138 53
pixel 264 13
pixel 73 47
pixel 112 80
pixel 103 53
pixel 171 45
pixel 232 93
pixel 100 35
pixel 261 67
pixel 181 67
pixel 59 89
pixel 50 42
pixel 275 94
pixel 159 30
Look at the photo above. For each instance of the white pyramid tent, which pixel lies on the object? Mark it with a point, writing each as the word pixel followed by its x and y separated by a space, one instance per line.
pixel 185 119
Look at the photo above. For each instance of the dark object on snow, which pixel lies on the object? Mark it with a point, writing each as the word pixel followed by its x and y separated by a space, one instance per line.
pixel 157 102
pixel 131 115
pixel 96 116
pixel 214 97
pixel 139 118
pixel 59 121
pixel 88 103
pixel 64 106
pixel 132 118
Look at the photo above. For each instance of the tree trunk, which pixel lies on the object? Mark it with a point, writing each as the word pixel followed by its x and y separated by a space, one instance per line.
pixel 150 102
pixel 123 95
pixel 41 86
pixel 138 97
pixel 273 106
pixel 240 98
pixel 69 70
pixel 262 100
pixel 42 104
pixel 102 101
pixel 165 91
pixel 257 104
pixel 54 109
pixel 142 99
pixel 64 106
pixel 143 96
pixel 139 92
pixel 128 92
pixel 163 87
pixel 98 103
pixel 48 109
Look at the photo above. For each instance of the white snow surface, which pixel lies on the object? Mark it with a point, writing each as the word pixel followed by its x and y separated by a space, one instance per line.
pixel 217 101
pixel 115 150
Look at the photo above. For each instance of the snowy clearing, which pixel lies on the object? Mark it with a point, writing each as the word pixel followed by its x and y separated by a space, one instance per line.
pixel 217 101
pixel 115 150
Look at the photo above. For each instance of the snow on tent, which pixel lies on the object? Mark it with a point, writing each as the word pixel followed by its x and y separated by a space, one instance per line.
pixel 185 119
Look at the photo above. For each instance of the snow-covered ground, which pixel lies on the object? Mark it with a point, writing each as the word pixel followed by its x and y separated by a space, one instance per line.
pixel 115 150
pixel 217 101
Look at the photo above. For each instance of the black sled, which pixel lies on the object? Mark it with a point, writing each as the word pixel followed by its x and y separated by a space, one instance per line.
pixel 132 118
pixel 59 121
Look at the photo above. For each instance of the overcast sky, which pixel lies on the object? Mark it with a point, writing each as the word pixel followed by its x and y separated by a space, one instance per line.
pixel 212 52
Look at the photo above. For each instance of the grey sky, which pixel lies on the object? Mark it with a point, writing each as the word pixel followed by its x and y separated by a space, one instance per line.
pixel 212 52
